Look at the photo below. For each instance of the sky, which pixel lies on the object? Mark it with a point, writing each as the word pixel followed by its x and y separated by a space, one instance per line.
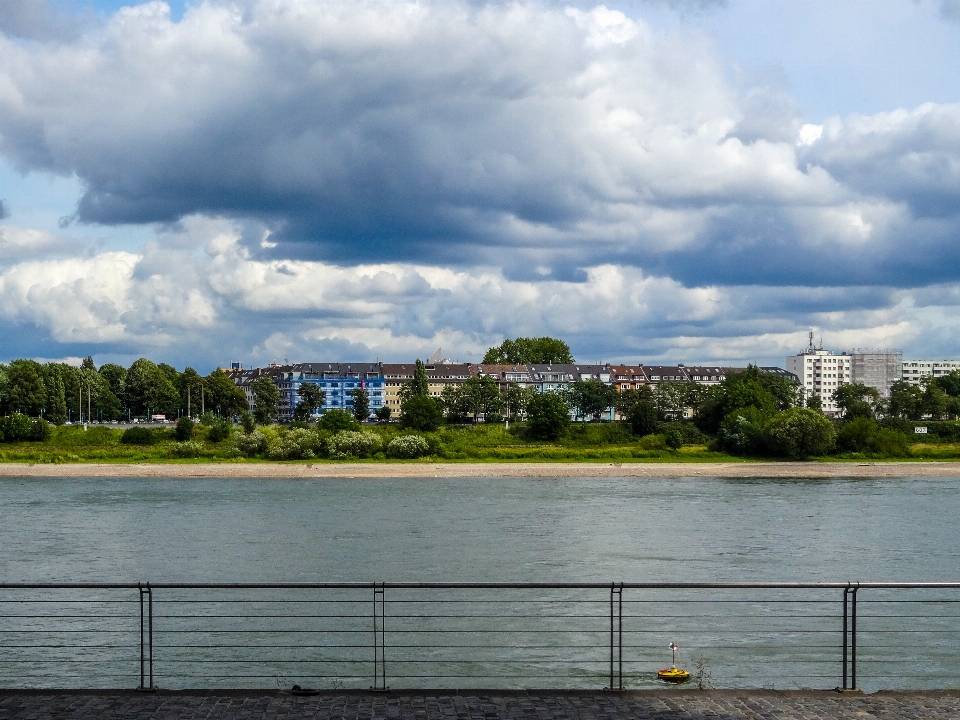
pixel 660 181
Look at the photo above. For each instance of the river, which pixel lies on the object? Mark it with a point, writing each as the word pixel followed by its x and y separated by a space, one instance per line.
pixel 496 530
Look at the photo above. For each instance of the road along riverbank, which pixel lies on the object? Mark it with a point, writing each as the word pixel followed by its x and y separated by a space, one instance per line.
pixel 491 469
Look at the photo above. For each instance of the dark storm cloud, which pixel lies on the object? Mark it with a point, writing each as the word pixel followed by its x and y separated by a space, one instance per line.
pixel 537 139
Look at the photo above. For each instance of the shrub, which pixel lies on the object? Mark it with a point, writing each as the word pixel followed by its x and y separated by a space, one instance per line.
pixel 248 422
pixel 18 427
pixel 673 439
pixel 139 436
pixel 295 444
pixel 208 418
pixel 742 432
pixel 219 431
pixel 547 416
pixel 184 429
pixel 251 443
pixel 348 443
pixel 421 412
pixel 800 433
pixel 653 442
pixel 642 417
pixel 408 447
pixel 188 449
pixel 337 420
pixel 864 435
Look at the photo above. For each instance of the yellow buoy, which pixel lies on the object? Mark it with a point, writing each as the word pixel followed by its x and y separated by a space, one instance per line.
pixel 673 674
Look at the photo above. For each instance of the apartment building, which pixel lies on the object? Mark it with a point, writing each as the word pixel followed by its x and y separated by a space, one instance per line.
pixel 820 373
pixel 913 371
pixel 439 376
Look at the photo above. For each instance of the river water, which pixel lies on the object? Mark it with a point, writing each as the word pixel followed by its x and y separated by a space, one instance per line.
pixel 502 530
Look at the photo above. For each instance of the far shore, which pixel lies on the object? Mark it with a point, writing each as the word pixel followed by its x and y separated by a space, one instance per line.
pixel 491 469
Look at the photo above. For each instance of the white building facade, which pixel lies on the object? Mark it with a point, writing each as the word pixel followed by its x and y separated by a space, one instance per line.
pixel 915 370
pixel 821 372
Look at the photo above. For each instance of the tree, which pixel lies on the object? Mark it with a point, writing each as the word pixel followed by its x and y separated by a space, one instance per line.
pixel 481 396
pixel 547 416
pixel 526 351
pixel 266 400
pixel 184 429
pixel 26 392
pixel 950 383
pixel 456 403
pixel 934 401
pixel 383 413
pixel 337 420
pixel 57 401
pixel 516 398
pixel 905 401
pixel 421 412
pixel 815 402
pixel 224 394
pixel 670 398
pixel 361 403
pixel 800 433
pixel 311 397
pixel 114 375
pixel 420 386
pixel 88 364
pixel 589 398
pixel 856 400
pixel 740 391
pixel 642 417
pixel 147 388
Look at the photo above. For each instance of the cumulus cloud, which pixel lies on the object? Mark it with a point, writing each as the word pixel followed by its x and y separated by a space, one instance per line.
pixel 561 138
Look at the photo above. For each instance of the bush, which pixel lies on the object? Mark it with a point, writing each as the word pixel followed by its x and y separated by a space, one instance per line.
pixel 18 427
pixel 208 418
pixel 139 436
pixel 252 443
pixel 348 443
pixel 421 412
pixel 653 442
pixel 248 422
pixel 742 432
pixel 547 416
pixel 188 449
pixel 673 439
pixel 408 447
pixel 337 420
pixel 295 444
pixel 800 433
pixel 864 435
pixel 219 431
pixel 184 429
pixel 642 417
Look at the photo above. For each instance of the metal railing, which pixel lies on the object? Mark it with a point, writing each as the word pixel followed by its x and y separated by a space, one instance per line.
pixel 379 636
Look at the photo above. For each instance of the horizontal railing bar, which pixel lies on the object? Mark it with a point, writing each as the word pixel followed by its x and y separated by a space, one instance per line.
pixel 484 585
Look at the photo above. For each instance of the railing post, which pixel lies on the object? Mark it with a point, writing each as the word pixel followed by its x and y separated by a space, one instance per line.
pixel 146 639
pixel 379 648
pixel 616 637
pixel 850 637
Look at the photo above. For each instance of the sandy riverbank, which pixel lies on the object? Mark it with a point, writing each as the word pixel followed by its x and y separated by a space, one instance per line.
pixel 380 470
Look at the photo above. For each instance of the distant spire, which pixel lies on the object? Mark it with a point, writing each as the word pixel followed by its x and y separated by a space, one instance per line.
pixel 436 357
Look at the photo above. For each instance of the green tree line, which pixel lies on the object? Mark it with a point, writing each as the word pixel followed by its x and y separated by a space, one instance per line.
pixel 60 393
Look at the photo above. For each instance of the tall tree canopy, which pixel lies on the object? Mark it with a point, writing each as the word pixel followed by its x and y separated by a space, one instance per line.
pixel 526 351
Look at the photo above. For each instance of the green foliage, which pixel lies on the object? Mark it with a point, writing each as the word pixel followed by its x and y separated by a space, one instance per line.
pixel 361 403
pixel 248 422
pixel 18 427
pixel 477 397
pixel 337 420
pixel 950 383
pixel 384 413
pixel 864 435
pixel 223 395
pixel 800 433
pixel 526 351
pixel 420 387
pixel 114 375
pixel 515 400
pixel 742 431
pixel 590 398
pixel 905 401
pixel 642 417
pixel 25 389
pixel 266 400
pixel 673 439
pixel 408 447
pixel 147 387
pixel 815 402
pixel 139 436
pixel 765 392
pixel 184 429
pixel 856 400
pixel 187 449
pixel 251 443
pixel 207 419
pixel 219 431
pixel 348 443
pixel 311 397
pixel 421 412
pixel 547 416
pixel 293 444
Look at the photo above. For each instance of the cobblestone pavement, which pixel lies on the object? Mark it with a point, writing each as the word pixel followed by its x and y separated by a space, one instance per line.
pixel 682 705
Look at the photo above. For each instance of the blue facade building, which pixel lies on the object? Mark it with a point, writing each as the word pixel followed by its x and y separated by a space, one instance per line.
pixel 336 380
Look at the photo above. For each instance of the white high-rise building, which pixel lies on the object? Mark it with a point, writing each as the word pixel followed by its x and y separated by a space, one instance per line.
pixel 820 372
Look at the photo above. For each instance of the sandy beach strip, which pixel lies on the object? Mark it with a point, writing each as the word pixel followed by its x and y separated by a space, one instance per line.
pixel 491 469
